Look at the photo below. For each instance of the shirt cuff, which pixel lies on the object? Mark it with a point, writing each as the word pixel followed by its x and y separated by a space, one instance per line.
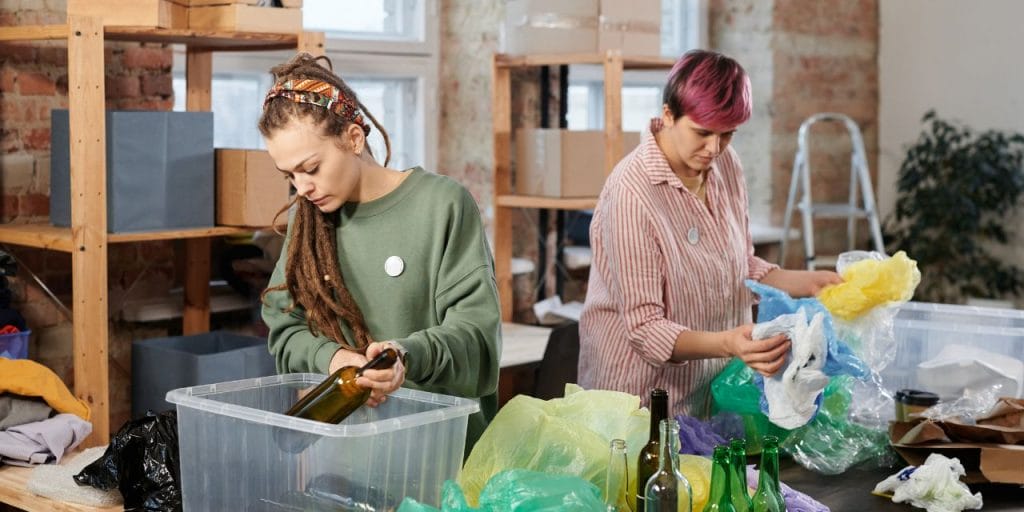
pixel 324 354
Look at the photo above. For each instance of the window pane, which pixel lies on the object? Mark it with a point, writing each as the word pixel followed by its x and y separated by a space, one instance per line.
pixel 393 103
pixel 238 98
pixel 579 113
pixel 401 20
pixel 639 105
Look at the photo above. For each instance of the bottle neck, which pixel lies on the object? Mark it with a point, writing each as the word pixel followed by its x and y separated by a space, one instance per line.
pixel 768 478
pixel 668 459
pixel 659 411
pixel 720 488
pixel 384 360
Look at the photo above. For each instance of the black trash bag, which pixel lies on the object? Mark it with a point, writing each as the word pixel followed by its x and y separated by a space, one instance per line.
pixel 142 462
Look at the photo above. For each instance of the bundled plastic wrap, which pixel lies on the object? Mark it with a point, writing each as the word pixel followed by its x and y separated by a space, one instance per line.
pixel 561 436
pixel 864 307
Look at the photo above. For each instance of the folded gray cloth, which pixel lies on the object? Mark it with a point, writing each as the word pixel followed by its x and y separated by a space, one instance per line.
pixel 42 441
pixel 18 410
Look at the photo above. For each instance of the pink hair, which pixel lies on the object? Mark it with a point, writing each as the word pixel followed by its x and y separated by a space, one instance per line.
pixel 711 88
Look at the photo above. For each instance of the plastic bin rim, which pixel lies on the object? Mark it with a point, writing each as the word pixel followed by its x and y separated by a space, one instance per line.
pixel 963 309
pixel 194 397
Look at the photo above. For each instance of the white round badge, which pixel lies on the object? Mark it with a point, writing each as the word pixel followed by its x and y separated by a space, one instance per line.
pixel 394 266
pixel 693 236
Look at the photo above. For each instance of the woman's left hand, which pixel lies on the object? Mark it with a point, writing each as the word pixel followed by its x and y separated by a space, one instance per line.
pixel 382 382
pixel 801 283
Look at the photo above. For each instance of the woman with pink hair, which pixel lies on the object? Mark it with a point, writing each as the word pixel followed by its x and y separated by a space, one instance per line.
pixel 666 304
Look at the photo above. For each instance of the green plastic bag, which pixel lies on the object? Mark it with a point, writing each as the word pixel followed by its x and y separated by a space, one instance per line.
pixel 562 436
pixel 520 490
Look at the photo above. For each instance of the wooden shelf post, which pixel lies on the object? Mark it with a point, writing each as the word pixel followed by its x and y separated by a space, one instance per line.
pixel 613 67
pixel 501 111
pixel 196 313
pixel 87 113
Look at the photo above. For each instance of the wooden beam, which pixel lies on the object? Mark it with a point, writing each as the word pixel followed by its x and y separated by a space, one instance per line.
pixel 313 43
pixel 612 110
pixel 87 111
pixel 501 112
pixel 196 313
pixel 33 32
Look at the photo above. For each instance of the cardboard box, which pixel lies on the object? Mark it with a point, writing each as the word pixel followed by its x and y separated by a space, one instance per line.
pixel 250 189
pixel 245 18
pixel 632 27
pixel 543 26
pixel 159 170
pixel 133 13
pixel 990 461
pixel 563 163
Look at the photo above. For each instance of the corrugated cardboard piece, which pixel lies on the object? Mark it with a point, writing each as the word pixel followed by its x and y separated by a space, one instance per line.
pixel 989 452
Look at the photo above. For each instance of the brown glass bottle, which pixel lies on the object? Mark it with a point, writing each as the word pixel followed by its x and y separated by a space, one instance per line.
pixel 338 395
pixel 647 461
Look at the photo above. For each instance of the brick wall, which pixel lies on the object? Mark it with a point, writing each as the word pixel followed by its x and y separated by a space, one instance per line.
pixel 803 57
pixel 33 81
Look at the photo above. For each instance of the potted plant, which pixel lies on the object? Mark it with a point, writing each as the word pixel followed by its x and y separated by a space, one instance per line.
pixel 957 189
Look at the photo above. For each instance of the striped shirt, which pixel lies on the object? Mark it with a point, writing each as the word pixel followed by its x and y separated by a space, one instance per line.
pixel 665 262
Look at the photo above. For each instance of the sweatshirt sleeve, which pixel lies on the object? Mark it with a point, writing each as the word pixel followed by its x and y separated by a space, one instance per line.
pixel 460 355
pixel 294 347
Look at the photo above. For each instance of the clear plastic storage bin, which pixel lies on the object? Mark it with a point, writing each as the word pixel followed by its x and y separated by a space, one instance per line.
pixel 923 329
pixel 237 447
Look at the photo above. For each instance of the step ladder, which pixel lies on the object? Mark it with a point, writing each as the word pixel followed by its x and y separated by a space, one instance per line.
pixel 853 210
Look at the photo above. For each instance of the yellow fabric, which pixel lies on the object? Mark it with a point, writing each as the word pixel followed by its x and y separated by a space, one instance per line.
pixel 871 283
pixel 29 378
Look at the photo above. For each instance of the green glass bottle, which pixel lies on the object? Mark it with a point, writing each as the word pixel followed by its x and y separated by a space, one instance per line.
pixel 768 497
pixel 738 475
pixel 615 477
pixel 647 460
pixel 668 490
pixel 720 495
pixel 338 395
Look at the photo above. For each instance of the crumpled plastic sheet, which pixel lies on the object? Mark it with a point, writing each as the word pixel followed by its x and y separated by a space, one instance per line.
pixel 142 462
pixel 519 490
pixel 870 280
pixel 697 437
pixel 934 486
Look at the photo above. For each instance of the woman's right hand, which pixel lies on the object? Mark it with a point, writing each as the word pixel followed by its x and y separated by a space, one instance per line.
pixel 763 356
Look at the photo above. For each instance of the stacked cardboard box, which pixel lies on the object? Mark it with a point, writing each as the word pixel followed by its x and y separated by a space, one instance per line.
pixel 563 163
pixel 219 15
pixel 583 26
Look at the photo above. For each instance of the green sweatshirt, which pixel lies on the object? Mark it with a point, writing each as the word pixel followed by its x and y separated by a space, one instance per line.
pixel 442 307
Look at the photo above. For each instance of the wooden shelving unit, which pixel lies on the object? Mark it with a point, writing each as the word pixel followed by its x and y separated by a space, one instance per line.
pixel 505 200
pixel 87 238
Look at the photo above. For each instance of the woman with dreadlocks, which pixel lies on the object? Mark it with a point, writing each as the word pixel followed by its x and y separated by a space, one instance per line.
pixel 374 257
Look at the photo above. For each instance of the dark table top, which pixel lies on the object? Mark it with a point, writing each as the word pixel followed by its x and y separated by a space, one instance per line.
pixel 851 491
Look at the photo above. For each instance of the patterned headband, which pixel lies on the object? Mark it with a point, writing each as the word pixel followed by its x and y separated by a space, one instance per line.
pixel 323 94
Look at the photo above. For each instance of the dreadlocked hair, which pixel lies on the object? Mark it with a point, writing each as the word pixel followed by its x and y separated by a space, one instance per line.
pixel 312 272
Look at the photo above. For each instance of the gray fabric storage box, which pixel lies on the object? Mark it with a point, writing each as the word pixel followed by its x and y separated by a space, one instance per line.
pixel 159 170
pixel 160 365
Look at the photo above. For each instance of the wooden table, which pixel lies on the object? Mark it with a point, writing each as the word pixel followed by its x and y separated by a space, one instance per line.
pixel 14 492
pixel 851 490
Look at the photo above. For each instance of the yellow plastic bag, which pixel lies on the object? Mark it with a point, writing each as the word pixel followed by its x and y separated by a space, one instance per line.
pixel 870 283
pixel 569 436
pixel 562 436
pixel 697 471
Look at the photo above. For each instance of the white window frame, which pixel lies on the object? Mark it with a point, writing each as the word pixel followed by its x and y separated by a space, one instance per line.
pixel 364 58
